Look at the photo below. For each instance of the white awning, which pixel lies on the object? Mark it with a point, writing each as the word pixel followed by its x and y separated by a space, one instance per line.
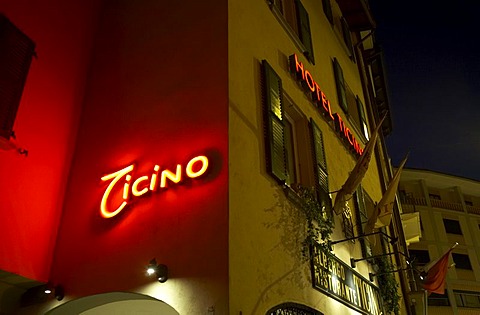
pixel 411 227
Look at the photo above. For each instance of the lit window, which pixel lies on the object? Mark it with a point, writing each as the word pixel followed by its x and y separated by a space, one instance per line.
pixel 290 141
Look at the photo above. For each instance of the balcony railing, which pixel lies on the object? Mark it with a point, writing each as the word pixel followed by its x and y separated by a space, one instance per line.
pixel 455 206
pixel 473 210
pixel 446 205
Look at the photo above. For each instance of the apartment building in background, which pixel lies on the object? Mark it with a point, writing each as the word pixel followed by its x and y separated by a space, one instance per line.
pixel 449 209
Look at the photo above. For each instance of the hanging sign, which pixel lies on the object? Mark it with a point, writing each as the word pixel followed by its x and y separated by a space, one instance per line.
pixel 139 186
pixel 338 280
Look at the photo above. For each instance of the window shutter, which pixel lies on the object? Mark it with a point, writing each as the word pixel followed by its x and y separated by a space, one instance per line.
pixel 347 37
pixel 320 167
pixel 340 82
pixel 274 128
pixel 362 218
pixel 327 9
pixel 16 52
pixel 304 30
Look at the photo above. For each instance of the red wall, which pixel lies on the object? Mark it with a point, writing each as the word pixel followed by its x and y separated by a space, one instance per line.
pixel 32 188
pixel 157 94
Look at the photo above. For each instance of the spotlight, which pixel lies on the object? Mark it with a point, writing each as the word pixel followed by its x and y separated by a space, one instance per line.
pixel 160 271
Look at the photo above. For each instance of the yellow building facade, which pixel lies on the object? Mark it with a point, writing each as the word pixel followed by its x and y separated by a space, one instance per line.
pixel 308 71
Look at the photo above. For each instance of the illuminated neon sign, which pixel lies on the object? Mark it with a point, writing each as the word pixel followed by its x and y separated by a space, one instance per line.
pixel 196 167
pixel 321 102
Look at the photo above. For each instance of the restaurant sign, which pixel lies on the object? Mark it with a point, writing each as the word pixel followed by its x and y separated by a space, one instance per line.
pixel 336 279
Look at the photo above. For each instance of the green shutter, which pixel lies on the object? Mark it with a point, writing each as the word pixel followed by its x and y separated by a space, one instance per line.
pixel 304 30
pixel 363 119
pixel 327 9
pixel 320 167
pixel 16 52
pixel 340 82
pixel 274 131
pixel 362 218
pixel 346 36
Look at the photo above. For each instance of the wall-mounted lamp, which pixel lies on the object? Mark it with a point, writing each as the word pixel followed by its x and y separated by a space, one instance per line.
pixel 57 290
pixel 41 293
pixel 160 271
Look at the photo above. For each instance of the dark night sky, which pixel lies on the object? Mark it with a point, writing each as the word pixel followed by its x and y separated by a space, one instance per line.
pixel 433 71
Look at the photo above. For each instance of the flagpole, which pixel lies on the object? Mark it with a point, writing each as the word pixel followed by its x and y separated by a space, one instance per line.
pixel 425 302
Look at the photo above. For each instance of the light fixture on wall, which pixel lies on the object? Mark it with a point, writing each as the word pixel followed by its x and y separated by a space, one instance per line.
pixel 159 270
pixel 57 290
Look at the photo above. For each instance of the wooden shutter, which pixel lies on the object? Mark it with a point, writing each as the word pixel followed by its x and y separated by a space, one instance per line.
pixel 16 52
pixel 274 131
pixel 347 36
pixel 327 9
pixel 320 167
pixel 340 82
pixel 304 30
pixel 362 218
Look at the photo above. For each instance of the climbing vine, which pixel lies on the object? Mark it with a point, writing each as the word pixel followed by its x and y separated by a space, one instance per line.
pixel 319 224
pixel 388 285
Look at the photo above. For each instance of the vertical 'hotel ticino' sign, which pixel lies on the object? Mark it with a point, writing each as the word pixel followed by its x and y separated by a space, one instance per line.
pixel 336 279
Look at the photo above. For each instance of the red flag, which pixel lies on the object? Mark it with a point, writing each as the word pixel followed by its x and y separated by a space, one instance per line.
pixel 435 280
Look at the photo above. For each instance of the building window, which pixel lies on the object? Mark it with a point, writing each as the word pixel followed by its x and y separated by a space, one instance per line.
pixel 467 299
pixel 349 102
pixel 297 19
pixel 293 309
pixel 290 141
pixel 16 52
pixel 435 299
pixel 461 261
pixel 435 196
pixel 420 256
pixel 452 226
pixel 469 203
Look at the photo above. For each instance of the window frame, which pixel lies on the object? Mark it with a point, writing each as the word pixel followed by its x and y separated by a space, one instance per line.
pixel 462 261
pixel 452 226
pixel 297 24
